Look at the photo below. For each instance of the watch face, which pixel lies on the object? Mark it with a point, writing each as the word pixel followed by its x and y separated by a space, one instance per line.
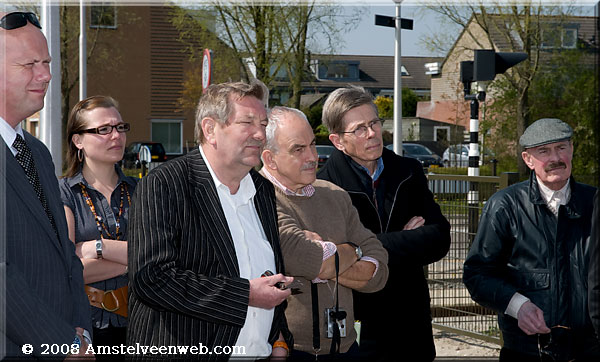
pixel 359 252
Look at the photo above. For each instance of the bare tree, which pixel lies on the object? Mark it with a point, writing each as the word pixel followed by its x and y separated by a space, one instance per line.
pixel 267 40
pixel 509 27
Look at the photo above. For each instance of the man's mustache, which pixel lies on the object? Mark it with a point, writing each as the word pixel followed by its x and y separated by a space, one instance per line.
pixel 253 143
pixel 555 165
pixel 309 166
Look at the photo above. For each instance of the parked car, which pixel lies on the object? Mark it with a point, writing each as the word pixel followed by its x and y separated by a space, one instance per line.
pixel 421 153
pixel 323 152
pixel 458 156
pixel 131 156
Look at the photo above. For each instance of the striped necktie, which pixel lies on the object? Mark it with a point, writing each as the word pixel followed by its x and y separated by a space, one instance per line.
pixel 25 159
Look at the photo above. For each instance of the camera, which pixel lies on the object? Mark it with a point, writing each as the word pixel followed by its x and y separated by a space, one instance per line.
pixel 339 317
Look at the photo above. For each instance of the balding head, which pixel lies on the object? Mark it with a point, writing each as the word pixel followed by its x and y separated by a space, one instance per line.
pixel 24 72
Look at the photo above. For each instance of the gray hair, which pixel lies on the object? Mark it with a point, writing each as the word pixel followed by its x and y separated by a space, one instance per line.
pixel 341 101
pixel 217 101
pixel 275 116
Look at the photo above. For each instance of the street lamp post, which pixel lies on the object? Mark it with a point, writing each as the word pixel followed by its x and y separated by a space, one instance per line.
pixel 398 23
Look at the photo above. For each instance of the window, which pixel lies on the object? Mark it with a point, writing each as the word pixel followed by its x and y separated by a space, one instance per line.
pixel 103 16
pixel 550 38
pixel 441 133
pixel 339 70
pixel 404 71
pixel 559 37
pixel 170 134
pixel 569 38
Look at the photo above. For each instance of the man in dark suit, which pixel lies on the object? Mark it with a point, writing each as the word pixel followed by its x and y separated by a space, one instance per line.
pixel 203 230
pixel 41 277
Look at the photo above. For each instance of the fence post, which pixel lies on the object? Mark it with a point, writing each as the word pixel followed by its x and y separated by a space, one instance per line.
pixel 507 179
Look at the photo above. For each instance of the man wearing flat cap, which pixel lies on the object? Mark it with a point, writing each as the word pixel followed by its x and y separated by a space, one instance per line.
pixel 529 259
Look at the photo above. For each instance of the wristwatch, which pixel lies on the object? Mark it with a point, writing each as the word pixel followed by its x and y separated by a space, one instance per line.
pixel 357 250
pixel 77 341
pixel 99 248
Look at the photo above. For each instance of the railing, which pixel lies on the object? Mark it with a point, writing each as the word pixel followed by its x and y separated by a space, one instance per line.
pixel 461 199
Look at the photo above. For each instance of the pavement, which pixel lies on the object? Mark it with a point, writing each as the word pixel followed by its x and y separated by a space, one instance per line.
pixel 454 347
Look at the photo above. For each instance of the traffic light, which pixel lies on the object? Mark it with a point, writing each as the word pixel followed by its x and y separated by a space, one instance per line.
pixel 488 63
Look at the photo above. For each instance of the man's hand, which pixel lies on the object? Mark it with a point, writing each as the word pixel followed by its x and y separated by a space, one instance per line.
pixel 82 349
pixel 312 235
pixel 414 223
pixel 264 294
pixel 531 319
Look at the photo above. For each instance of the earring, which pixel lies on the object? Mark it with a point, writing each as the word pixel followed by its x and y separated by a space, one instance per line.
pixel 79 155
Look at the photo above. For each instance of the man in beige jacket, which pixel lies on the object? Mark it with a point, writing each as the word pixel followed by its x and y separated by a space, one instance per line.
pixel 317 225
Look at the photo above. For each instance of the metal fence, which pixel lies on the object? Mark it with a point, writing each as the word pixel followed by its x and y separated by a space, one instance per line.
pixel 461 199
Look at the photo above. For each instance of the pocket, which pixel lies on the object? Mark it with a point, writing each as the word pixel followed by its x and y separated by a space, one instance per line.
pixel 530 280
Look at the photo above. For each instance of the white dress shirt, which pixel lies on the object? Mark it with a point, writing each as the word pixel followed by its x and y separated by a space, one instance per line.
pixel 9 134
pixel 254 256
pixel 553 200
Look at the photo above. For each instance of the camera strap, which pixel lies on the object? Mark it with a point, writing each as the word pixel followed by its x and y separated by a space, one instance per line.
pixel 315 312
pixel 336 340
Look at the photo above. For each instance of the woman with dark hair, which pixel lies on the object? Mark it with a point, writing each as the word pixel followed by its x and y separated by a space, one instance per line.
pixel 97 196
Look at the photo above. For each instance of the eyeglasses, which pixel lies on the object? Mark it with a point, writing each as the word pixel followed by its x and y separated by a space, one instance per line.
pixel 361 131
pixel 19 19
pixel 556 345
pixel 104 130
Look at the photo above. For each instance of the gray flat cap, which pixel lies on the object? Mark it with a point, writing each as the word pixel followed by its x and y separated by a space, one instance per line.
pixel 544 131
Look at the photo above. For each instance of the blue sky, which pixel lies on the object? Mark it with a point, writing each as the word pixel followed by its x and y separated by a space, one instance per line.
pixel 369 39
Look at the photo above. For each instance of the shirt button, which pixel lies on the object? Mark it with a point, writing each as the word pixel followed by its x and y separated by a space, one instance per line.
pixel 254 314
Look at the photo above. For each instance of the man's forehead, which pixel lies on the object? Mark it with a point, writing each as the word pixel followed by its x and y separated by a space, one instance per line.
pixel 249 106
pixel 551 145
pixel 367 114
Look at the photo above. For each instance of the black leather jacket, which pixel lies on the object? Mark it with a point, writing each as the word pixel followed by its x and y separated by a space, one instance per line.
pixel 403 305
pixel 522 247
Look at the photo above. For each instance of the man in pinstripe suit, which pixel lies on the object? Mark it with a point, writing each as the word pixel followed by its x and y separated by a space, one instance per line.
pixel 203 229
pixel 41 281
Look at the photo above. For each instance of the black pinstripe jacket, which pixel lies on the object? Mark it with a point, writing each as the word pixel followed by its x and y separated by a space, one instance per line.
pixel 185 287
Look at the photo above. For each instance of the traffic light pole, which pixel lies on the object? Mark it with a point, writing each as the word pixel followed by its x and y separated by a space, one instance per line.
pixel 473 193
pixel 483 69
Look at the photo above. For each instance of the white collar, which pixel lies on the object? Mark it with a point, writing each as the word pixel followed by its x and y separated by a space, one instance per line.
pixel 245 192
pixel 9 134
pixel 548 194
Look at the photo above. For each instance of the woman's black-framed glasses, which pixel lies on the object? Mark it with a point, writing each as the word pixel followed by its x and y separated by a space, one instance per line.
pixel 104 130
pixel 361 131
pixel 556 345
pixel 19 19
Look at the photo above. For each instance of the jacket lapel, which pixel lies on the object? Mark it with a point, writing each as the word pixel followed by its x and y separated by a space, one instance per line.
pixel 265 207
pixel 205 197
pixel 17 180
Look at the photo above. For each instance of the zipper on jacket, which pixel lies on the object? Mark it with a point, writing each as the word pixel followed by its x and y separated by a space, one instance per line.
pixel 375 207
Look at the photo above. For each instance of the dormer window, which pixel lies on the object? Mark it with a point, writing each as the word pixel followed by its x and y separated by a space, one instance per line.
pixel 339 70
pixel 556 36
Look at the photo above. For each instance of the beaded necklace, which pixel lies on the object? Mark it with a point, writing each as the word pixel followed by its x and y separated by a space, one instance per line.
pixel 99 223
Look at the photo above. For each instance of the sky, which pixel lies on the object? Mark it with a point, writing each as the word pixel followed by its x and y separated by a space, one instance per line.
pixel 370 39
pixel 367 38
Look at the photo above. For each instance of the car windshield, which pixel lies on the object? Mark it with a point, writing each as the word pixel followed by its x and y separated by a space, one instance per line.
pixel 417 150
pixel 325 150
